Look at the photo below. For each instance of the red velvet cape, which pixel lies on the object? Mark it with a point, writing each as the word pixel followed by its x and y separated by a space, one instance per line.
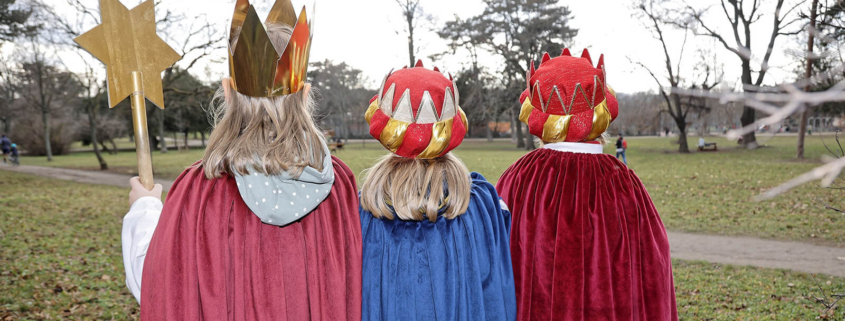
pixel 211 258
pixel 586 240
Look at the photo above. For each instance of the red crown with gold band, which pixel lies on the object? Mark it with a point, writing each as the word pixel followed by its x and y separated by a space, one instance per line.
pixel 417 113
pixel 568 100
pixel 256 67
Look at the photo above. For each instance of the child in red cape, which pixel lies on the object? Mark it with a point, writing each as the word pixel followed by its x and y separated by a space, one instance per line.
pixel 266 225
pixel 587 242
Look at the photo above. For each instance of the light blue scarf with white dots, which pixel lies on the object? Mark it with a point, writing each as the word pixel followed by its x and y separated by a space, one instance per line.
pixel 282 199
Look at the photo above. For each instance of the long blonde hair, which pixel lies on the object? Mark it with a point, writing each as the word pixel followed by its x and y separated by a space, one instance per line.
pixel 416 189
pixel 270 135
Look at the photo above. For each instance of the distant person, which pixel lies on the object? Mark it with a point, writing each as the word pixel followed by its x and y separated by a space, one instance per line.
pixel 6 146
pixel 701 142
pixel 621 146
pixel 14 151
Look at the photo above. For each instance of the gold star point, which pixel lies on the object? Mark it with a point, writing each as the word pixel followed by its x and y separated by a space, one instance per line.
pixel 126 41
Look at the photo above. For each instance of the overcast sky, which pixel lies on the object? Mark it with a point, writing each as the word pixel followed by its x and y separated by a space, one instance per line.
pixel 368 35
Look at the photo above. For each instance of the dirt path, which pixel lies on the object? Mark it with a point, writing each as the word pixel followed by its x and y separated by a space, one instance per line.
pixel 758 252
pixel 81 176
pixel 711 248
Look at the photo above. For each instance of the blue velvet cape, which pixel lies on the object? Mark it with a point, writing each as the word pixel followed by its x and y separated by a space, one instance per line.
pixel 456 269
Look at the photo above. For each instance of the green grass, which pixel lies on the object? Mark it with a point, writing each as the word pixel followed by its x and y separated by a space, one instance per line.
pixel 121 144
pixel 699 192
pixel 60 259
pixel 712 192
pixel 60 256
pixel 707 291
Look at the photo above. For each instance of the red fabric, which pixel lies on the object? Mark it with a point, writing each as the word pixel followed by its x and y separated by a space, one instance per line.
pixel 586 241
pixel 566 73
pixel 537 121
pixel 211 258
pixel 418 136
pixel 459 130
pixel 377 123
pixel 419 80
pixel 624 144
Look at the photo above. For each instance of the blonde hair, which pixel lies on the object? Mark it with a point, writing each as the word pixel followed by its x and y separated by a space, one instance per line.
pixel 422 188
pixel 270 135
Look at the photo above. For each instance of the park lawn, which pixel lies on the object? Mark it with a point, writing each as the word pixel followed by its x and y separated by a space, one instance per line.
pixel 122 143
pixel 700 192
pixel 60 259
pixel 711 192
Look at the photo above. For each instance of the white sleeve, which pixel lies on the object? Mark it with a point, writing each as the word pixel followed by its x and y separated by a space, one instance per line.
pixel 138 227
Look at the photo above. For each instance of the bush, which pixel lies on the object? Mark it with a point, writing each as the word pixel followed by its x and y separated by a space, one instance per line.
pixel 28 133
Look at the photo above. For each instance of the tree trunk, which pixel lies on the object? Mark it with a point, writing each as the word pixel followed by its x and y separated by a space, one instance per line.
pixel 113 146
pixel 749 115
pixel 410 17
pixel 45 119
pixel 202 136
pixel 105 148
pixel 683 144
pixel 7 125
pixel 802 128
pixel 681 121
pixel 176 141
pixel 529 140
pixel 162 141
pixel 488 131
pixel 187 147
pixel 748 118
pixel 517 129
pixel 92 122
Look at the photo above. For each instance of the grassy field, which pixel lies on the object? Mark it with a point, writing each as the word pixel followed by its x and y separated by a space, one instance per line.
pixel 700 192
pixel 60 259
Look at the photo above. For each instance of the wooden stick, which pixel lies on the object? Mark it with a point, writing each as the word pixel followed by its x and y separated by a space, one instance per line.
pixel 142 139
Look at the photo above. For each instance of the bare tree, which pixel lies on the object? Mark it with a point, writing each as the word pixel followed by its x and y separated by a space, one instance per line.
pixel 519 31
pixel 15 20
pixel 741 17
pixel 469 35
pixel 675 104
pixel 69 26
pixel 412 12
pixel 44 86
pixel 9 107
pixel 802 127
pixel 198 40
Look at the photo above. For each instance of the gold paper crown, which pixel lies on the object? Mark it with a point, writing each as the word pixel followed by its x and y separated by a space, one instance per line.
pixel 255 66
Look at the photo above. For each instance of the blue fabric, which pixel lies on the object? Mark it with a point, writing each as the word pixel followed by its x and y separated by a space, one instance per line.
pixel 456 269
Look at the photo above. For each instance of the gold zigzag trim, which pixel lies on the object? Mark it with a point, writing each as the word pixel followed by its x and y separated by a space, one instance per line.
pixel 579 89
pixel 556 127
pixel 393 134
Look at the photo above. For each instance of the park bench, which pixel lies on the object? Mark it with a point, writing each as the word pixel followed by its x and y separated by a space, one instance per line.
pixel 334 147
pixel 708 147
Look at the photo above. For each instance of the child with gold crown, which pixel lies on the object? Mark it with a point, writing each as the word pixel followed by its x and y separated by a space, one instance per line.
pixel 266 225
pixel 435 236
pixel 587 242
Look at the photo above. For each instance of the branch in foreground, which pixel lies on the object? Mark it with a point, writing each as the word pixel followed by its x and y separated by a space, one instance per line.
pixel 827 174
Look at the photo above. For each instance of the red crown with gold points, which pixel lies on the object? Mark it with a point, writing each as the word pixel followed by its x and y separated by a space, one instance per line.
pixel 568 100
pixel 257 68
pixel 417 113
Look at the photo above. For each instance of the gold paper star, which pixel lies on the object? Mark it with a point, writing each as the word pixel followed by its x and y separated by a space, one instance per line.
pixel 126 41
